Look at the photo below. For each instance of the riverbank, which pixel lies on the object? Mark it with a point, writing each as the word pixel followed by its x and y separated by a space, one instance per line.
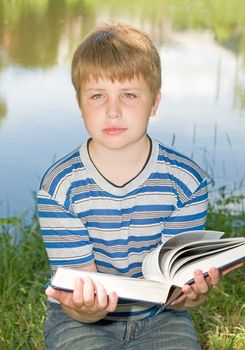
pixel 24 271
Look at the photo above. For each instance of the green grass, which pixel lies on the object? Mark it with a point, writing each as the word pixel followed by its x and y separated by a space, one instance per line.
pixel 24 270
pixel 220 321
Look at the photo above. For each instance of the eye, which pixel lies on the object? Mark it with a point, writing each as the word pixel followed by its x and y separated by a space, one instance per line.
pixel 96 97
pixel 130 95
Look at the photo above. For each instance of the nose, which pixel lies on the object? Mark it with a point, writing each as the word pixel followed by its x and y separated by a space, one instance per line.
pixel 113 109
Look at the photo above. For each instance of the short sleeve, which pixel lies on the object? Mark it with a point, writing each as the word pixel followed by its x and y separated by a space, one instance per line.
pixel 65 237
pixel 190 214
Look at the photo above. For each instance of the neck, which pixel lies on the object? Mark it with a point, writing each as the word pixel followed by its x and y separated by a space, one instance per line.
pixel 124 156
pixel 120 166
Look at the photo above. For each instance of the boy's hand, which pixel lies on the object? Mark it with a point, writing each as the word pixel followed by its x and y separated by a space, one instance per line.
pixel 196 293
pixel 89 301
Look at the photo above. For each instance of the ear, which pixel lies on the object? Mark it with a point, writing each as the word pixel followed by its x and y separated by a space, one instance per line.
pixel 156 101
pixel 79 103
pixel 78 99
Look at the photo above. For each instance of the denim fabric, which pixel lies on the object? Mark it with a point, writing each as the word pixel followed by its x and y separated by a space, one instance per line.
pixel 169 330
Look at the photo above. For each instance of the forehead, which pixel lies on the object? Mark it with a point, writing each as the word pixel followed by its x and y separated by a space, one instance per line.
pixel 136 82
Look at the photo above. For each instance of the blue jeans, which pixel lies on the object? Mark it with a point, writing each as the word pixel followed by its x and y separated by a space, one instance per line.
pixel 168 330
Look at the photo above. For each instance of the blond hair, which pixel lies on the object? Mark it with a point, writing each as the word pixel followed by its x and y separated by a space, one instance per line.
pixel 116 52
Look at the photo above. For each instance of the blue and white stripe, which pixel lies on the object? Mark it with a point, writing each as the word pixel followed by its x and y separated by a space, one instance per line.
pixel 85 219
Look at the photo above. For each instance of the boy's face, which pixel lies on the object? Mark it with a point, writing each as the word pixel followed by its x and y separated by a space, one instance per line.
pixel 116 114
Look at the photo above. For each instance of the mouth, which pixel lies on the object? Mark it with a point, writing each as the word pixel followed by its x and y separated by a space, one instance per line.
pixel 114 130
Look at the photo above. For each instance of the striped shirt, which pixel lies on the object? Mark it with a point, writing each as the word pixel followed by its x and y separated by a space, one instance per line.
pixel 84 218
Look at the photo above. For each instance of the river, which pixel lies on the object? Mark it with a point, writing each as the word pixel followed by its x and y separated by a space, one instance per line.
pixel 202 112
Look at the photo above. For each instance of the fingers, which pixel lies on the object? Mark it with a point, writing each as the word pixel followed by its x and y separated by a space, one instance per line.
pixel 62 296
pixel 190 292
pixel 88 296
pixel 113 299
pixel 213 276
pixel 195 294
pixel 50 292
pixel 201 284
pixel 200 287
pixel 78 293
pixel 106 303
pixel 88 292
pixel 102 297
pixel 179 300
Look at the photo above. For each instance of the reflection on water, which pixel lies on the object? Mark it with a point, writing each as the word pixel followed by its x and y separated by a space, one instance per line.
pixel 202 46
pixel 32 32
pixel 40 33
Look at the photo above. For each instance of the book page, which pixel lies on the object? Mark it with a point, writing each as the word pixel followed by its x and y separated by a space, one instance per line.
pixel 191 256
pixel 219 260
pixel 151 267
pixel 155 270
pixel 196 248
pixel 191 236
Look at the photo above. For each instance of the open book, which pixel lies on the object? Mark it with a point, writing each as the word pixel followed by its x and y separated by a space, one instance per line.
pixel 166 268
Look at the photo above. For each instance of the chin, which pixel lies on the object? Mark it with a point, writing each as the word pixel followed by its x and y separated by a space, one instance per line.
pixel 116 144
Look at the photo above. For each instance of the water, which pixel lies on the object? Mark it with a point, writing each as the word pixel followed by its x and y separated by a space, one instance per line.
pixel 202 112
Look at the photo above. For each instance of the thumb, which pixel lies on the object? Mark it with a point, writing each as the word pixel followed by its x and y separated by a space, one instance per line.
pixel 51 292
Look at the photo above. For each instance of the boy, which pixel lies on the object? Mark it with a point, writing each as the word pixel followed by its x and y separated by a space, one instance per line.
pixel 114 199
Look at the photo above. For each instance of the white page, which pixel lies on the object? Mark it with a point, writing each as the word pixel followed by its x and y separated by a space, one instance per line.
pixel 218 260
pixel 181 262
pixel 191 236
pixel 151 265
pixel 168 258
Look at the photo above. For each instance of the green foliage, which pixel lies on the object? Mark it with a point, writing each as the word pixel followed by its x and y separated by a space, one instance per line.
pixel 23 272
